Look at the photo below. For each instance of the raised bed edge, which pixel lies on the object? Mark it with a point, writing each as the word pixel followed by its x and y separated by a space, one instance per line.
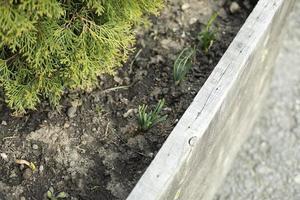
pixel 198 153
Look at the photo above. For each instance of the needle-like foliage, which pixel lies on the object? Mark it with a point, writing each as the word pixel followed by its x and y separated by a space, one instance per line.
pixel 146 119
pixel 48 46
pixel 183 64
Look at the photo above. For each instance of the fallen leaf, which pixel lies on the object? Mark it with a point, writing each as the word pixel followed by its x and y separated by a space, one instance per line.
pixel 25 162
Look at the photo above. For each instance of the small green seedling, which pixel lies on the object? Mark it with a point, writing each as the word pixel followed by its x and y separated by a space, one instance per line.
pixel 146 119
pixel 208 36
pixel 99 110
pixel 51 195
pixel 183 64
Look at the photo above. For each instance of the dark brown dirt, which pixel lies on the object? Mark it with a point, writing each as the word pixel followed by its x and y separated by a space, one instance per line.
pixel 91 147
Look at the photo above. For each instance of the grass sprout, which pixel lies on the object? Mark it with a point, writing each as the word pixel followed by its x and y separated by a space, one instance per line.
pixel 51 194
pixel 146 119
pixel 183 64
pixel 208 36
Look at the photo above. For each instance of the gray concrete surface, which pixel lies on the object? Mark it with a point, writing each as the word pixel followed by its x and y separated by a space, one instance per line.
pixel 268 165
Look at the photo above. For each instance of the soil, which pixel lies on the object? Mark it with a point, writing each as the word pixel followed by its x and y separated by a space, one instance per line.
pixel 91 147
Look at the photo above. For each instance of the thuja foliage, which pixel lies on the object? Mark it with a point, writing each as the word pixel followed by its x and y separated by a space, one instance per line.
pixel 49 46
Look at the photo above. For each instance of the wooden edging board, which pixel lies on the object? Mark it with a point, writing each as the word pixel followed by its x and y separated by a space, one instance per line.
pixel 198 153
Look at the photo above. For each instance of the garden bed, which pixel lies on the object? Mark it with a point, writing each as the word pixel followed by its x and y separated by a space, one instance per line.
pixel 91 148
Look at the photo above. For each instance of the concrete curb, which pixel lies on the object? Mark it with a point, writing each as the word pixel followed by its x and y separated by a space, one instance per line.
pixel 198 153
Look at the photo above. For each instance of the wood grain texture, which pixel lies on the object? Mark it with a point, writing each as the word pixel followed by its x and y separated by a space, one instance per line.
pixel 198 153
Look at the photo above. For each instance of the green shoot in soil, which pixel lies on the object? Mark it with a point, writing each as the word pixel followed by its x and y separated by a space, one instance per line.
pixel 183 64
pixel 146 119
pixel 208 36
pixel 51 195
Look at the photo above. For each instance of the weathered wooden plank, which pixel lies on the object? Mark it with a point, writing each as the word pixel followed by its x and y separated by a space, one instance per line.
pixel 197 155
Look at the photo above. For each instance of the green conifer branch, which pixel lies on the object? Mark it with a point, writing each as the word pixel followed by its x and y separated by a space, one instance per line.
pixel 49 46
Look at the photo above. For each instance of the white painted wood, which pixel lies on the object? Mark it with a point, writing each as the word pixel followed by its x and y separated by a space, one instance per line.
pixel 197 155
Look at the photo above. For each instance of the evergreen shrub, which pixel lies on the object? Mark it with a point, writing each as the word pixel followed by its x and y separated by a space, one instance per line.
pixel 49 46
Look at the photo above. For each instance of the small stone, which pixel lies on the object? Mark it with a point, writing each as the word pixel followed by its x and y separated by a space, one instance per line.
pixel 151 155
pixel 27 174
pixel 185 6
pixel 183 35
pixel 72 112
pixel 234 7
pixel 129 112
pixel 167 109
pixel 118 80
pixel 4 123
pixel 22 198
pixel 297 179
pixel 193 21
pixel 66 125
pixel 4 156
pixel 41 169
pixel 35 146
